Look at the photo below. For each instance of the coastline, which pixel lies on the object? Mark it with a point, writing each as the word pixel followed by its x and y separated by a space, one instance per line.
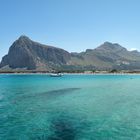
pixel 68 73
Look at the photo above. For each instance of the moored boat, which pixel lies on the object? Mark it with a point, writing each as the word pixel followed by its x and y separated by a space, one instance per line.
pixel 55 74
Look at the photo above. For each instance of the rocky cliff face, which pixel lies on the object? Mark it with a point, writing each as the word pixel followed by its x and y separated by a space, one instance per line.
pixel 27 54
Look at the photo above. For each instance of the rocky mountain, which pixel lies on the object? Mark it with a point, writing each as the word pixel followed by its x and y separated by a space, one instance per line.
pixel 108 56
pixel 27 54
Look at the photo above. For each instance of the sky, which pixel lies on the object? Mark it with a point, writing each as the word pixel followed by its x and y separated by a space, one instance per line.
pixel 73 25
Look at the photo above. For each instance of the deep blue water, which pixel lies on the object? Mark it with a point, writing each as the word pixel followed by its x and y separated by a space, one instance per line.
pixel 71 107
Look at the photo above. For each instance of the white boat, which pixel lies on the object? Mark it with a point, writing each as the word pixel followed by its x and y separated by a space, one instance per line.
pixel 55 74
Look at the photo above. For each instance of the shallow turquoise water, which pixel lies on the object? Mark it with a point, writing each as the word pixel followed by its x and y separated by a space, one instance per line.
pixel 71 107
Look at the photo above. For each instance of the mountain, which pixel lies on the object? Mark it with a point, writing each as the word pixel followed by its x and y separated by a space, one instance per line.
pixel 108 56
pixel 27 54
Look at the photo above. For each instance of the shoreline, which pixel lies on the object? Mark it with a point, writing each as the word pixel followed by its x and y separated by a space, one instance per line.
pixel 47 73
pixel 71 72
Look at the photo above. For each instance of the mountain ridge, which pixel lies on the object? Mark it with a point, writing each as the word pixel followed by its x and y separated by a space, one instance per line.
pixel 31 55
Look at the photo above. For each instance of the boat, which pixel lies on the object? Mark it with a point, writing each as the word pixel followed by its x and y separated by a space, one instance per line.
pixel 55 75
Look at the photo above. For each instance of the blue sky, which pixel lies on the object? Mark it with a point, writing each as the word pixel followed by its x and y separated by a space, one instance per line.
pixel 73 25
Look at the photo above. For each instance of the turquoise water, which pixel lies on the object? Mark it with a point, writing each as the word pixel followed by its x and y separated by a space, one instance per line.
pixel 71 107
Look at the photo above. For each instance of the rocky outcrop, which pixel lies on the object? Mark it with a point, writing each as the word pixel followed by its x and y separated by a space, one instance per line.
pixel 25 53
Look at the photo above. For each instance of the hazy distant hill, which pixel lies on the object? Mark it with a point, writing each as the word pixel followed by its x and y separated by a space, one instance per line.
pixel 108 56
pixel 27 54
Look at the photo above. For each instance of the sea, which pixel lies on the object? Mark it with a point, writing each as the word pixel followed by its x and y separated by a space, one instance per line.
pixel 71 107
